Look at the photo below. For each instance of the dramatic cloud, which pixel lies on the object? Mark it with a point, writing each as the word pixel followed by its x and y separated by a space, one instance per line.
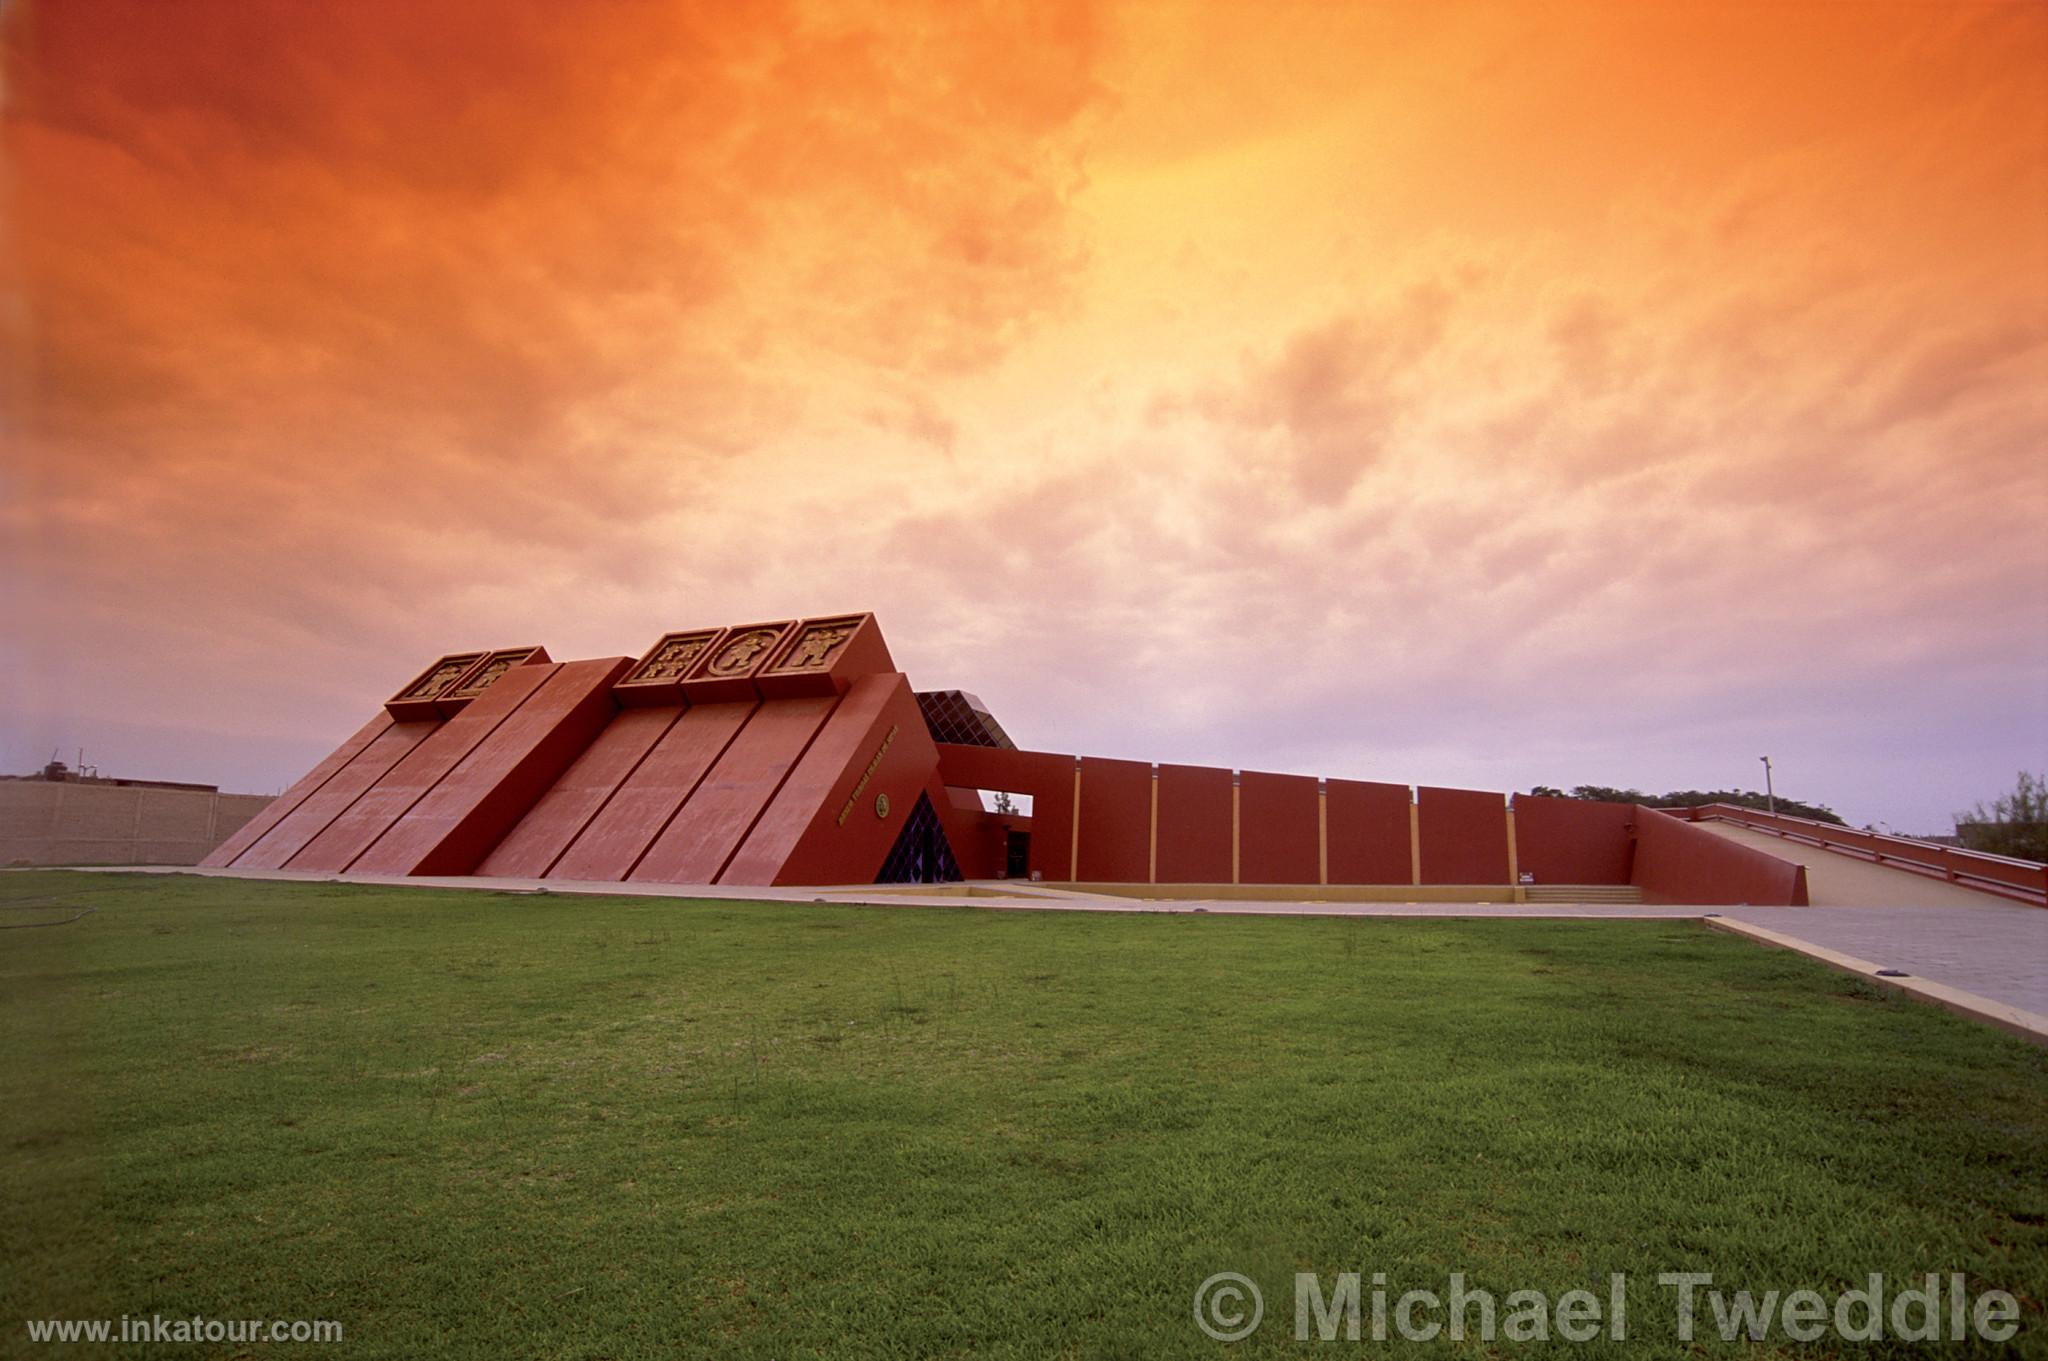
pixel 1492 396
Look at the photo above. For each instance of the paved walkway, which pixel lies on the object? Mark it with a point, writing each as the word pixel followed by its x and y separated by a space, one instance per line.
pixel 1980 956
pixel 1993 950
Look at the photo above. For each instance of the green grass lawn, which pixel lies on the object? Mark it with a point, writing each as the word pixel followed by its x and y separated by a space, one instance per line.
pixel 484 1125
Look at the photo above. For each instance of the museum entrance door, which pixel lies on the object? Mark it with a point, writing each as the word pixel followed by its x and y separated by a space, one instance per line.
pixel 1019 857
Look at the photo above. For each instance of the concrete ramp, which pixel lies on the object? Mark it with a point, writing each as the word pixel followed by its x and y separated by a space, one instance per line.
pixel 1837 880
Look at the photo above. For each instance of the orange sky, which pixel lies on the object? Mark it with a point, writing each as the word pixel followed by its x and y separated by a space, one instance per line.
pixel 1479 395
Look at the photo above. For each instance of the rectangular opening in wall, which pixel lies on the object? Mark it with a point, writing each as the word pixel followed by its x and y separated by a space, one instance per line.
pixel 1004 801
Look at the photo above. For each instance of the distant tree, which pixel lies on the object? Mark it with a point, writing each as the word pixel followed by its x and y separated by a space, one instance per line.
pixel 1694 798
pixel 1590 791
pixel 1605 794
pixel 1004 804
pixel 1747 798
pixel 2014 824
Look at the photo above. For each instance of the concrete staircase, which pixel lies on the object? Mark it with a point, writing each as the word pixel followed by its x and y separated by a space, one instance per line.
pixel 1616 894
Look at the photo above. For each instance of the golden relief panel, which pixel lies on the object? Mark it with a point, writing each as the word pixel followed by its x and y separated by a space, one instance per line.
pixel 497 667
pixel 816 647
pixel 741 652
pixel 440 678
pixel 671 659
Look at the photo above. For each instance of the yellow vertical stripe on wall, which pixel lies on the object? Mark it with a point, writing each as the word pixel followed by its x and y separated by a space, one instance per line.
pixel 1322 836
pixel 1514 858
pixel 1074 849
pixel 1152 847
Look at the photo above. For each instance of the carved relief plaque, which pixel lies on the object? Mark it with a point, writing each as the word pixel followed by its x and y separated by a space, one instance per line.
pixel 440 677
pixel 815 648
pixel 741 653
pixel 671 659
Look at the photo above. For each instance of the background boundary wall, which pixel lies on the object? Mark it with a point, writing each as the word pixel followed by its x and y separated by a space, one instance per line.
pixel 57 822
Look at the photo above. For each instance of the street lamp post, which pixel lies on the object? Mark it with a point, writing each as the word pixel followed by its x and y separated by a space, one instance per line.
pixel 1770 796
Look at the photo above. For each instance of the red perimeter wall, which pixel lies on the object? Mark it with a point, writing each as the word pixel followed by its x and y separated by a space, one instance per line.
pixel 1681 862
pixel 1464 836
pixel 540 837
pixel 1194 825
pixel 1573 841
pixel 1116 821
pixel 707 830
pixel 646 802
pixel 370 816
pixel 817 828
pixel 1277 837
pixel 1368 834
pixel 455 824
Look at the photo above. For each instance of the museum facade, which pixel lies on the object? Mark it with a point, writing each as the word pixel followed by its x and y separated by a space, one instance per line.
pixel 794 752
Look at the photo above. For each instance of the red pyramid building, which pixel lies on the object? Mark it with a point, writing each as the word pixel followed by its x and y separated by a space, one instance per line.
pixel 793 752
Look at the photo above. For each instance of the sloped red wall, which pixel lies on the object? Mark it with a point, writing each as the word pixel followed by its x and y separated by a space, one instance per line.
pixel 278 808
pixel 531 848
pixel 384 803
pixel 275 848
pixel 706 831
pixel 454 824
pixel 606 850
pixel 1681 862
pixel 826 823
